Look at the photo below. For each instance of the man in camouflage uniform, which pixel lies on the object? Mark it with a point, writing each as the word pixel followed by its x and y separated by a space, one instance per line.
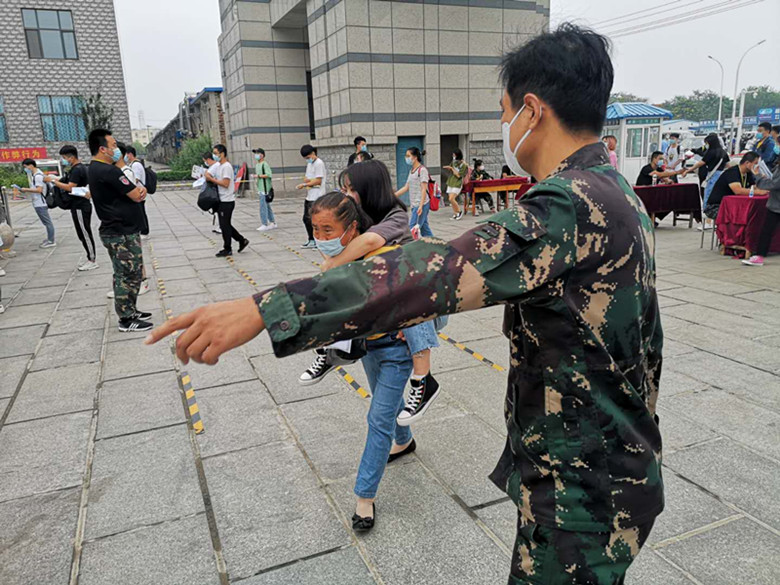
pixel 573 264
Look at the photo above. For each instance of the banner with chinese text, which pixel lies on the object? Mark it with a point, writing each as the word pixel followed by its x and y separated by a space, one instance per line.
pixel 17 155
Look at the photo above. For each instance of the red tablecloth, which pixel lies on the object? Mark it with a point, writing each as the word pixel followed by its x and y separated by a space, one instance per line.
pixel 662 199
pixel 740 219
pixel 495 183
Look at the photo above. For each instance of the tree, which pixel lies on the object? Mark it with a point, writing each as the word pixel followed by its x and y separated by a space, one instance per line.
pixel 621 96
pixel 191 153
pixel 766 97
pixel 701 105
pixel 139 148
pixel 95 112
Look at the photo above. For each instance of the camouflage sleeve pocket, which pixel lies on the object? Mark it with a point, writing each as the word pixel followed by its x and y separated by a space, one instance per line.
pixel 281 318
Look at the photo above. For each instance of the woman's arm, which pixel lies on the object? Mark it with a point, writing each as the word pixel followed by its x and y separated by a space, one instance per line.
pixel 402 190
pixel 355 250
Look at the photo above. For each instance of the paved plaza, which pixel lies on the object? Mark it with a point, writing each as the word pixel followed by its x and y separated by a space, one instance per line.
pixel 104 481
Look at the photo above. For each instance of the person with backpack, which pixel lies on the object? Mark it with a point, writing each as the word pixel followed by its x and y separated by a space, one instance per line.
pixel 39 189
pixel 265 192
pixel 139 171
pixel 80 206
pixel 419 197
pixel 459 170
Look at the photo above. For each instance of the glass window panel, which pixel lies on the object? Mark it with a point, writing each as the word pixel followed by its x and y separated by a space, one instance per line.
pixel 66 20
pixel 635 142
pixel 82 130
pixel 2 106
pixel 51 41
pixel 66 128
pixel 3 130
pixel 44 104
pixel 69 39
pixel 48 19
pixel 49 134
pixel 62 104
pixel 28 16
pixel 652 140
pixel 34 44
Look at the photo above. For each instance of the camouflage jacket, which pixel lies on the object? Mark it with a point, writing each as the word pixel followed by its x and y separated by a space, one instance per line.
pixel 573 263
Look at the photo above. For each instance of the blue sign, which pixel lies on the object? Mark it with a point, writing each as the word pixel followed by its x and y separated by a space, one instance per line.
pixel 769 114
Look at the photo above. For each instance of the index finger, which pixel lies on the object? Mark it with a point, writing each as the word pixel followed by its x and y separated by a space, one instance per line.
pixel 171 325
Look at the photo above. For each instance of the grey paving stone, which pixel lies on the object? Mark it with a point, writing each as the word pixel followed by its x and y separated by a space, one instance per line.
pixel 464 327
pixel 478 390
pixel 171 553
pixel 138 404
pixel 728 322
pixel 114 334
pixel 237 416
pixel 501 518
pixel 678 432
pixel 674 348
pixel 219 275
pixel 46 279
pixel 72 320
pixel 496 349
pixel 142 479
pixel 732 473
pixel 260 345
pixel 650 569
pixel 280 376
pixel 19 316
pixel 168 252
pixel 173 261
pixel 21 340
pixel 179 305
pixel 725 303
pixel 674 382
pixel 132 358
pixel 36 296
pixel 43 455
pixel 246 485
pixel 81 299
pixel 90 283
pixel 36 539
pixel 227 291
pixel 11 371
pixel 232 367
pixel 717 285
pixel 51 392
pixel 462 451
pixel 178 288
pixel 344 566
pixel 769 297
pixel 718 556
pixel 176 273
pixel 422 536
pixel 447 358
pixel 68 349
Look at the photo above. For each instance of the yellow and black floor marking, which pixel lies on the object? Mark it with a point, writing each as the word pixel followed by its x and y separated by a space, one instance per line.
pixel 161 287
pixel 192 405
pixel 471 352
pixel 293 250
pixel 352 382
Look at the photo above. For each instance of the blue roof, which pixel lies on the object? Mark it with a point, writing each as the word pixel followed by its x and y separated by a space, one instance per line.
pixel 620 111
pixel 204 91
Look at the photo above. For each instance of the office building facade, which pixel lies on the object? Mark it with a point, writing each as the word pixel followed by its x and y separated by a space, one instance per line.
pixel 399 72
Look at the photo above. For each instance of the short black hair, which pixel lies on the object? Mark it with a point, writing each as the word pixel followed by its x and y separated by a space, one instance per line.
pixel 208 156
pixel 655 154
pixel 131 150
pixel 259 151
pixel 69 150
pixel 307 149
pixel 458 154
pixel 569 69
pixel 358 140
pixel 674 135
pixel 612 136
pixel 766 126
pixel 29 161
pixel 749 157
pixel 220 148
pixel 776 128
pixel 122 148
pixel 97 138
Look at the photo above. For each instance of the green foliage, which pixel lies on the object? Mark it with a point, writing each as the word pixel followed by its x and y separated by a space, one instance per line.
pixel 701 105
pixel 766 97
pixel 622 96
pixel 177 176
pixel 12 175
pixel 139 148
pixel 191 153
pixel 95 112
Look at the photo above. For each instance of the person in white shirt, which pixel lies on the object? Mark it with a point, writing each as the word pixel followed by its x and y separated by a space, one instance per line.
pixel 131 158
pixel 316 183
pixel 35 176
pixel 224 178
pixel 673 154
pixel 212 166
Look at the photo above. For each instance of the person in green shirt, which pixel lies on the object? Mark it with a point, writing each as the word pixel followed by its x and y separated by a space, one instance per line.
pixel 459 169
pixel 264 175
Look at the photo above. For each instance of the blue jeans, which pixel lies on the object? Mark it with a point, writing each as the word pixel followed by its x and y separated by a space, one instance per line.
pixel 266 213
pixel 43 215
pixel 425 229
pixel 421 337
pixel 388 366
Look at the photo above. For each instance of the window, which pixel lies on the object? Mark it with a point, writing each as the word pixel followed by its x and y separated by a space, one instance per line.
pixel 3 126
pixel 61 118
pixel 635 143
pixel 50 34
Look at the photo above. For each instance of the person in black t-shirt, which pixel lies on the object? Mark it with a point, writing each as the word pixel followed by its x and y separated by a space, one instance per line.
pixel 79 205
pixel 737 180
pixel 714 159
pixel 654 169
pixel 116 201
pixel 360 149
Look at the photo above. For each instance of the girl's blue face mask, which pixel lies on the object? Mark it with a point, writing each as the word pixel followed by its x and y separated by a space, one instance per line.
pixel 332 247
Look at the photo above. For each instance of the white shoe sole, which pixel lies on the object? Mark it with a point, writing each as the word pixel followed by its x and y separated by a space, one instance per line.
pixel 315 381
pixel 406 421
pixel 86 268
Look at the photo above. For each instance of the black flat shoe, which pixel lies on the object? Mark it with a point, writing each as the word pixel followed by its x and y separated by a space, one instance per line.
pixel 360 524
pixel 409 449
pixel 224 253
pixel 243 245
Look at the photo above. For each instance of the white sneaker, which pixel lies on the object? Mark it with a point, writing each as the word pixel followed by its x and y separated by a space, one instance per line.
pixel 144 287
pixel 216 230
pixel 272 226
pixel 2 272
pixel 2 309
pixel 263 228
pixel 48 244
pixel 88 266
pixel 145 237
pixel 110 294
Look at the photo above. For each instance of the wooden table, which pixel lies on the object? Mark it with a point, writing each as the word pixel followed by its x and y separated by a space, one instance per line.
pixel 739 223
pixel 661 200
pixel 503 186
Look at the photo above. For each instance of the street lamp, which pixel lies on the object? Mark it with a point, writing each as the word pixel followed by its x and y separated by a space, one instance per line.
pixel 720 102
pixel 734 105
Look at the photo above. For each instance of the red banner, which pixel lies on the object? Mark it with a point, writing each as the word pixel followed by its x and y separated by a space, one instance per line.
pixel 17 155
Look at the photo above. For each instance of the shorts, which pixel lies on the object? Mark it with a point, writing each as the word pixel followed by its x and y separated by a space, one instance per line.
pixel 454 190
pixel 421 337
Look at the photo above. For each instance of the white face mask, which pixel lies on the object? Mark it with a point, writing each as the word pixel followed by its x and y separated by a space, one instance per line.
pixel 509 152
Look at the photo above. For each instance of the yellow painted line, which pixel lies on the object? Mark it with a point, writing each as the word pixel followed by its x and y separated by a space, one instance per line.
pixel 471 352
pixel 352 383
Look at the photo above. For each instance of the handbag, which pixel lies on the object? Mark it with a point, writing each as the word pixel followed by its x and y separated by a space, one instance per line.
pixel 208 200
pixel 269 193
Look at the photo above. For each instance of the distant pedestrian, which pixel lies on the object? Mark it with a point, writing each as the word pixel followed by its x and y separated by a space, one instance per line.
pixel 131 158
pixel 264 175
pixel 772 219
pixel 80 206
pixel 765 146
pixel 673 155
pixel 315 184
pixel 116 202
pixel 459 170
pixel 361 149
pixel 224 179
pixel 38 190
pixel 611 142
pixel 713 162
pixel 417 187
pixel 480 174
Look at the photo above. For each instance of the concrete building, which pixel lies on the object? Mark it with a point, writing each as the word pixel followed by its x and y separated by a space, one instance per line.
pixel 399 72
pixel 144 135
pixel 50 54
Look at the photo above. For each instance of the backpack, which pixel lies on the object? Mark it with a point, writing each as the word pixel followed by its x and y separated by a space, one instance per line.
pixel 151 179
pixel 48 195
pixel 208 200
pixel 433 197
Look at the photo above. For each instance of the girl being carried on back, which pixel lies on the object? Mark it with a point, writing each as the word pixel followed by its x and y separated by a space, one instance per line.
pixel 384 225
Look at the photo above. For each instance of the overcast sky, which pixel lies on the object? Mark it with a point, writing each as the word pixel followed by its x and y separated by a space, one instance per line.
pixel 170 47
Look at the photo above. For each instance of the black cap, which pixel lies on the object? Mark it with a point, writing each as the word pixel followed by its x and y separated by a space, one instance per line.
pixel 258 151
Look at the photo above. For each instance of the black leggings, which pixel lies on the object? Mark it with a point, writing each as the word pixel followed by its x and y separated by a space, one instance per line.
pixel 145 229
pixel 771 221
pixel 307 219
pixel 82 219
pixel 228 231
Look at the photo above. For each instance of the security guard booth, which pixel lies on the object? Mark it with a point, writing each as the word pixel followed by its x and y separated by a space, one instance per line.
pixel 638 129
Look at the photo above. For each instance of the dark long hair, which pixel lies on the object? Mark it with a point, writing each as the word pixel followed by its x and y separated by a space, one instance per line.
pixel 344 208
pixel 371 181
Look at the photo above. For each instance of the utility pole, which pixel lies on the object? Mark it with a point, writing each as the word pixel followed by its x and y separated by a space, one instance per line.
pixel 720 102
pixel 736 90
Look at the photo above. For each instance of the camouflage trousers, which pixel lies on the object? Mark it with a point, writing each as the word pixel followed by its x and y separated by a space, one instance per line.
pixel 548 556
pixel 128 261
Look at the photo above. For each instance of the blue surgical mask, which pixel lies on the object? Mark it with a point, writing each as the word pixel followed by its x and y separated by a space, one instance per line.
pixel 28 171
pixel 117 155
pixel 64 163
pixel 777 148
pixel 310 161
pixel 408 160
pixel 364 148
pixel 332 247
pixel 127 160
pixel 257 157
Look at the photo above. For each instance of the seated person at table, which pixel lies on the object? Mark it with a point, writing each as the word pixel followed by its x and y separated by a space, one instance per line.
pixel 654 169
pixel 480 174
pixel 737 180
